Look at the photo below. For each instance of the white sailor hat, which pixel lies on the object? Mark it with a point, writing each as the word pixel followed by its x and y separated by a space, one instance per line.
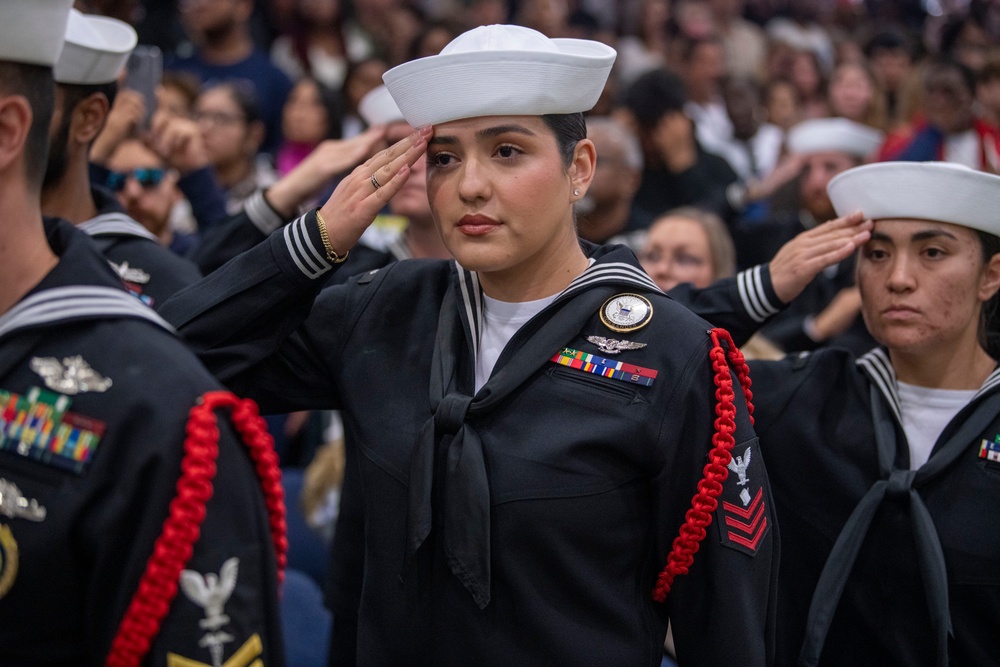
pixel 501 70
pixel 96 50
pixel 378 108
pixel 940 191
pixel 820 135
pixel 32 31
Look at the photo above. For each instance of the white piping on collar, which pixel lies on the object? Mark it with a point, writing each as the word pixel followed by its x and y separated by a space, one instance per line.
pixel 115 224
pixel 879 368
pixel 76 302
pixel 597 273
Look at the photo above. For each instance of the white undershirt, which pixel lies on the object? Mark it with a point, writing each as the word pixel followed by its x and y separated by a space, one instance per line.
pixel 501 320
pixel 926 412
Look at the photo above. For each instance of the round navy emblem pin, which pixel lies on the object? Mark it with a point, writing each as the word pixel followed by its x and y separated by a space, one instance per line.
pixel 626 312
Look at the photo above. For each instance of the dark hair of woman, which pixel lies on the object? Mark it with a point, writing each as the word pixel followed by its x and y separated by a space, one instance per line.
pixel 569 128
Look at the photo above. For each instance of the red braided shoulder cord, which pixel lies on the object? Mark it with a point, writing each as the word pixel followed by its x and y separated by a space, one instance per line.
pixel 704 503
pixel 174 546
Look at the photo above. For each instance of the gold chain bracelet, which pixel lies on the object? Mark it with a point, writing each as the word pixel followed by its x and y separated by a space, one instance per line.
pixel 331 254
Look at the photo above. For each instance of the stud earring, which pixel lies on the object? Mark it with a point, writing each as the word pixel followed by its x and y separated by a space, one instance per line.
pixel 576 193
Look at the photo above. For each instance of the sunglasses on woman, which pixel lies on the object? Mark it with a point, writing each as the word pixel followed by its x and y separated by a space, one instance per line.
pixel 146 177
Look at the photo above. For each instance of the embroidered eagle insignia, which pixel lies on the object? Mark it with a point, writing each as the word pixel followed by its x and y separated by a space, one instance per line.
pixel 211 592
pixel 739 466
pixel 129 274
pixel 613 346
pixel 70 376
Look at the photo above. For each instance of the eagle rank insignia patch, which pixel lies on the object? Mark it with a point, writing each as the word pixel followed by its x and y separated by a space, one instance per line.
pixel 742 511
pixel 72 375
pixel 626 312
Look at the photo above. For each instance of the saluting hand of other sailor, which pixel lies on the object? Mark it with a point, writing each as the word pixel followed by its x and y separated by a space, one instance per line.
pixel 365 191
pixel 799 261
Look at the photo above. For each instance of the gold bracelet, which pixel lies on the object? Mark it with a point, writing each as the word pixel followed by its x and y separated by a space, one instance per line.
pixel 331 254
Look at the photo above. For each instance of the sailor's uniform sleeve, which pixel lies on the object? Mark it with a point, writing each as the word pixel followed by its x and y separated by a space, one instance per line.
pixel 242 320
pixel 722 610
pixel 236 234
pixel 740 304
pixel 226 600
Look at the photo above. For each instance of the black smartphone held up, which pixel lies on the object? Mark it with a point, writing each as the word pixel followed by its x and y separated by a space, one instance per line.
pixel 143 73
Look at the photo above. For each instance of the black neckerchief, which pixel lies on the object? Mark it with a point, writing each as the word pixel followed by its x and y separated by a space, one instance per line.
pixel 464 511
pixel 897 483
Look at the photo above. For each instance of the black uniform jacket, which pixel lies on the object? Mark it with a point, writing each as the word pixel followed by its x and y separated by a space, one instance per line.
pixel 95 391
pixel 825 420
pixel 587 478
pixel 149 269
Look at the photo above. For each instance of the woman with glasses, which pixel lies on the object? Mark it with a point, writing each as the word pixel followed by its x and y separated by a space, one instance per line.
pixel 544 479
pixel 233 132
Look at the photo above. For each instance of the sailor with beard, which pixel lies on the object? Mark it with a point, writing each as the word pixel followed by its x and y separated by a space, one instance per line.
pixel 96 50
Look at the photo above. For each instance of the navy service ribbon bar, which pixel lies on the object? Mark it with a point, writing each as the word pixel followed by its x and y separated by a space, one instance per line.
pixel 616 370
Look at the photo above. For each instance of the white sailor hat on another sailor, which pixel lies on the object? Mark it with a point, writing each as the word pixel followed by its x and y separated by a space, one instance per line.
pixel 820 135
pixel 96 50
pixel 939 191
pixel 378 108
pixel 32 31
pixel 501 70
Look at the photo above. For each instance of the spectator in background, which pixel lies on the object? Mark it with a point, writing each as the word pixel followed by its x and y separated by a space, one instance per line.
pixel 755 145
pixel 647 47
pixel 744 42
pixel 988 92
pixel 949 130
pixel 312 113
pixel 783 105
pixel 317 43
pixel 807 76
pixel 232 131
pixel 689 245
pixel 177 92
pixel 854 93
pixel 224 50
pixel 891 57
pixel 964 38
pixel 678 171
pixel 362 77
pixel 145 187
pixel 703 68
pixel 607 210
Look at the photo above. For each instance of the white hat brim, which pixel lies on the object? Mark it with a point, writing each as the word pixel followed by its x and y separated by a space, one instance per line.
pixel 447 87
pixel 938 191
pixel 378 108
pixel 96 50
pixel 33 31
pixel 820 135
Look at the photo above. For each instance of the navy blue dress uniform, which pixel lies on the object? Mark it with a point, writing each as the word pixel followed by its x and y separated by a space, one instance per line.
pixel 831 436
pixel 484 510
pixel 149 270
pixel 95 391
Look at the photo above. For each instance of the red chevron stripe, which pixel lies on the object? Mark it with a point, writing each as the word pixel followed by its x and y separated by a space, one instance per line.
pixel 746 527
pixel 748 512
pixel 750 544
